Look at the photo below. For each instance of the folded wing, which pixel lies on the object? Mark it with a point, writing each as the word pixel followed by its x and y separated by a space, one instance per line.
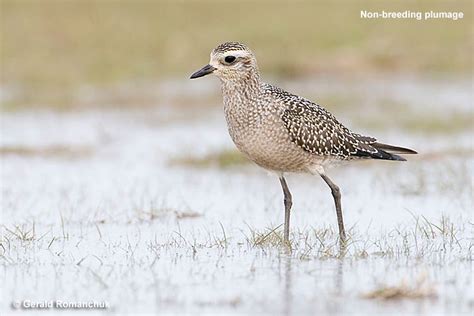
pixel 317 131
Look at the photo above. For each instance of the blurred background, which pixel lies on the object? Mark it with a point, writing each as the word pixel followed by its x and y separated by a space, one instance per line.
pixel 76 54
pixel 119 181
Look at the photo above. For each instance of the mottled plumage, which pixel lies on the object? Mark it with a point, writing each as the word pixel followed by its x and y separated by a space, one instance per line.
pixel 230 46
pixel 281 131
pixel 318 132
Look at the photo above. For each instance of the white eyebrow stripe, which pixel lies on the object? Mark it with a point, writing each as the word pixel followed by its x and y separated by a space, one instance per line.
pixel 236 53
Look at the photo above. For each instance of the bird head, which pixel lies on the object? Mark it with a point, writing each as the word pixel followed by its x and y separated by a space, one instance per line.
pixel 230 61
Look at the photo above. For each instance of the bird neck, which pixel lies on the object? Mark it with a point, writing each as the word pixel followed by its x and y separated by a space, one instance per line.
pixel 241 105
pixel 243 87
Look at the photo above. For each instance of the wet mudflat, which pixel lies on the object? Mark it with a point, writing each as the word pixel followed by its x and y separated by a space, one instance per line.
pixel 141 209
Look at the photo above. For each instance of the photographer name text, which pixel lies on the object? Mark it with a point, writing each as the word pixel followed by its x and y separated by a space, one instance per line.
pixel 58 304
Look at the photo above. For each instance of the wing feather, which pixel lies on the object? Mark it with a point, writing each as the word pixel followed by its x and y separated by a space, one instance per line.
pixel 317 131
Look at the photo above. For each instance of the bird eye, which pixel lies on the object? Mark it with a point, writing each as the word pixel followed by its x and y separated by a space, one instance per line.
pixel 229 59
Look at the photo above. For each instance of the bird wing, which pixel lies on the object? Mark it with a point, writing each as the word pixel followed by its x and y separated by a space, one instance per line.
pixel 317 131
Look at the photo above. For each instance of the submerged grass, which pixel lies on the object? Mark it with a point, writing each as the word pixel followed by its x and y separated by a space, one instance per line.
pixel 224 159
pixel 230 158
pixel 424 239
pixel 420 289
pixel 53 151
pixel 439 242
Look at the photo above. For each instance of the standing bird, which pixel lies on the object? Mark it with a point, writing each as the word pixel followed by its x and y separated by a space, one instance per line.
pixel 283 132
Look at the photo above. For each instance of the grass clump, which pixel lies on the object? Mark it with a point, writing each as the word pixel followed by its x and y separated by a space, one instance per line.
pixel 22 233
pixel 419 290
pixel 53 151
pixel 272 237
pixel 223 159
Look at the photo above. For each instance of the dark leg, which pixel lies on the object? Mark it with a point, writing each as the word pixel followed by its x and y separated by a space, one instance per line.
pixel 288 203
pixel 336 193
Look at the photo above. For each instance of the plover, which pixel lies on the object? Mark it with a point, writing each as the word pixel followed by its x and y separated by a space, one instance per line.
pixel 283 132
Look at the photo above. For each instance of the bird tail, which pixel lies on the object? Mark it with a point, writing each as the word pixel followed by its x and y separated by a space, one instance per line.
pixel 389 152
pixel 393 149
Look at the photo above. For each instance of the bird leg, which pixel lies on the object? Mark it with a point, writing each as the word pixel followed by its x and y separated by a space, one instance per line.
pixel 336 193
pixel 287 201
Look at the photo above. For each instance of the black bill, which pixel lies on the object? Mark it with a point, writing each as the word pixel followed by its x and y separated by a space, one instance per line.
pixel 202 72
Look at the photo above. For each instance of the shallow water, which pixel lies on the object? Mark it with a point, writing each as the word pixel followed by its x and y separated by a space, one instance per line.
pixel 109 219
